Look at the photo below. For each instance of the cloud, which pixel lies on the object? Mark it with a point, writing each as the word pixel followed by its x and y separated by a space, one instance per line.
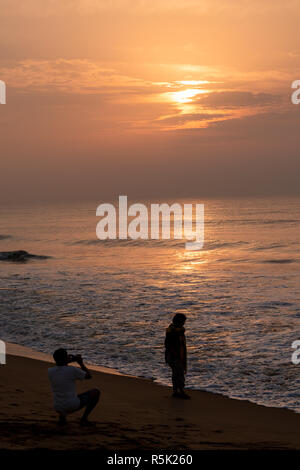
pixel 36 8
pixel 236 99
pixel 127 101
pixel 181 119
pixel 74 76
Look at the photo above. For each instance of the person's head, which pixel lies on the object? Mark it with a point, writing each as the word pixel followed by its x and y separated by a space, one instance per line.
pixel 179 319
pixel 61 357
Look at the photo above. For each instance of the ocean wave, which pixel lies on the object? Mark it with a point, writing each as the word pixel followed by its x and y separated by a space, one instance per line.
pixel 272 246
pixel 5 237
pixel 129 242
pixel 251 221
pixel 155 243
pixel 280 261
pixel 275 303
pixel 217 245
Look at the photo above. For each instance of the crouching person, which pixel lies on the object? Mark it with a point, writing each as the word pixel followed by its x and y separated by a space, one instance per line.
pixel 62 378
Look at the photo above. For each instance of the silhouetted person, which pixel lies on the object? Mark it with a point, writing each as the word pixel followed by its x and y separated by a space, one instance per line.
pixel 175 354
pixel 62 378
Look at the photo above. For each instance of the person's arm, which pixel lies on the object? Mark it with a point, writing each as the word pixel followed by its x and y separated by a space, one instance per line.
pixel 172 346
pixel 88 375
pixel 183 353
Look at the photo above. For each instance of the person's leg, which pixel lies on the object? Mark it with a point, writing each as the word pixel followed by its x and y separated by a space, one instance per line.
pixel 180 377
pixel 62 420
pixel 174 381
pixel 179 380
pixel 88 400
pixel 94 398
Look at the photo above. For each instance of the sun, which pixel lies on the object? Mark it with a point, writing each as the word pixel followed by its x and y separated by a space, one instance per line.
pixel 186 96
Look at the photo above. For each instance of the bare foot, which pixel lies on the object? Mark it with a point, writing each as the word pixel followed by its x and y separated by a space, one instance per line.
pixel 184 396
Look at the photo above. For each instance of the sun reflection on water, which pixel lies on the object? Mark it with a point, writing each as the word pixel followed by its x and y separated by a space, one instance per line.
pixel 190 260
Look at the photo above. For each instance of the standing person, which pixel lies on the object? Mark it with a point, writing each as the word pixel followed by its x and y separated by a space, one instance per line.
pixel 175 354
pixel 62 378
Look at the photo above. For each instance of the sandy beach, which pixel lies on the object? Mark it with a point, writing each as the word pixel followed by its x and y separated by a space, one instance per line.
pixel 134 414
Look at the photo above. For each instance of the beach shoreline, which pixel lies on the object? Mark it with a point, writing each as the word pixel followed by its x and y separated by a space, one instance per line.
pixel 14 349
pixel 134 413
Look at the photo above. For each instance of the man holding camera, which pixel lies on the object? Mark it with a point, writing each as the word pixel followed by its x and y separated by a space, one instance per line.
pixel 62 378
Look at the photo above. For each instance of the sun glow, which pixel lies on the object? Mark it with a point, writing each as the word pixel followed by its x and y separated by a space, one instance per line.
pixel 192 82
pixel 186 96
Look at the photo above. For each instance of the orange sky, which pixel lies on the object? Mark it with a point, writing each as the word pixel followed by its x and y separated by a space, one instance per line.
pixel 148 98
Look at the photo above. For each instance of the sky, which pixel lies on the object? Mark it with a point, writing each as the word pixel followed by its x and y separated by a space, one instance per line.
pixel 148 98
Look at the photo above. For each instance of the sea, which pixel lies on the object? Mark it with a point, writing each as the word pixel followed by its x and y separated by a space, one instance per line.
pixel 112 300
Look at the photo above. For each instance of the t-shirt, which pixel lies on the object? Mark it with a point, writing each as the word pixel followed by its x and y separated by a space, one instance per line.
pixel 62 379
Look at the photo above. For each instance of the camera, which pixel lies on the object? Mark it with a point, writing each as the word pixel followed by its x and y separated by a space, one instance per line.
pixel 74 358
